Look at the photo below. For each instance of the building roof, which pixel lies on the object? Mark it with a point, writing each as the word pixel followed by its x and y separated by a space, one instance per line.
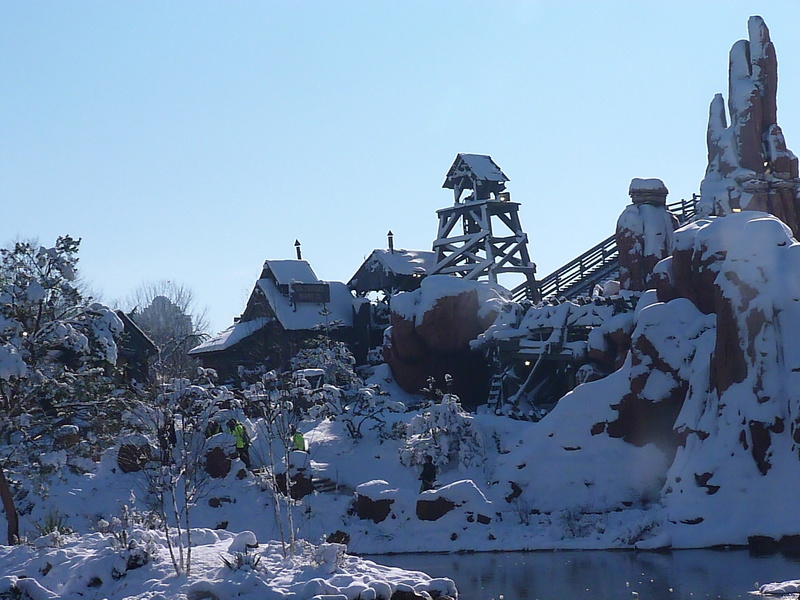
pixel 475 167
pixel 230 336
pixel 306 315
pixel 287 271
pixel 381 265
pixel 404 262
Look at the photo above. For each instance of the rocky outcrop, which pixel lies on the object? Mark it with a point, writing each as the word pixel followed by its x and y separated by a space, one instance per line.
pixel 374 500
pixel 433 509
pixel 462 495
pixel 218 463
pixel 749 165
pixel 134 453
pixel 644 233
pixel 430 334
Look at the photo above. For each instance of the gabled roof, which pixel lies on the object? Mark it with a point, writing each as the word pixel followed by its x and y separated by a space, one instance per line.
pixel 306 315
pixel 231 336
pixel 381 268
pixel 404 262
pixel 475 167
pixel 136 335
pixel 286 271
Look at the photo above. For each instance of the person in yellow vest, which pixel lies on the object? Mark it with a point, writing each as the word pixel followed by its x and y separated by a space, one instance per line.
pixel 298 441
pixel 239 434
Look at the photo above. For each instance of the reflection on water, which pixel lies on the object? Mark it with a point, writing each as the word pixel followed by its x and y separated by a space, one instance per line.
pixel 595 575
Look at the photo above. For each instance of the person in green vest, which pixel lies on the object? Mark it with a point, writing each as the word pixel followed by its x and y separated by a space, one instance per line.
pixel 239 434
pixel 298 441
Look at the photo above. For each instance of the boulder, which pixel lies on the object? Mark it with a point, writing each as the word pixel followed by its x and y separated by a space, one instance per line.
pixel 374 500
pixel 433 509
pixel 430 334
pixel 133 455
pixel 218 463
pixel 644 233
pixel 373 510
pixel 301 484
pixel 66 436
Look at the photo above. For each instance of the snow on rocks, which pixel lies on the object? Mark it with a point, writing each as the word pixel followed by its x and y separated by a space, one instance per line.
pixel 244 541
pixel 749 165
pixel 644 233
pixel 431 331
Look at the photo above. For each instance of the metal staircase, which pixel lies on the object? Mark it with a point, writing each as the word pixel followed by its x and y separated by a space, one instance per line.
pixel 598 264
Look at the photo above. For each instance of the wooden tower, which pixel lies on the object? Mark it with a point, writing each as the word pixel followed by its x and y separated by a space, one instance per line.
pixel 491 240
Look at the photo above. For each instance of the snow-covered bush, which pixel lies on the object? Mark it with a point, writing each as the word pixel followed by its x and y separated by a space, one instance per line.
pixel 580 522
pixel 242 561
pixel 130 534
pixel 329 556
pixel 344 396
pixel 53 522
pixel 332 357
pixel 178 415
pixel 447 433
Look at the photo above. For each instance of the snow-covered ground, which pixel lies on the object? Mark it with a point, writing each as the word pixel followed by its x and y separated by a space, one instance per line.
pixel 88 566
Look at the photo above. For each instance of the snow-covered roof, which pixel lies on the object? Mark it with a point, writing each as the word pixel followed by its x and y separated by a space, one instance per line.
pixel 405 262
pixel 230 336
pixel 478 167
pixel 306 315
pixel 286 271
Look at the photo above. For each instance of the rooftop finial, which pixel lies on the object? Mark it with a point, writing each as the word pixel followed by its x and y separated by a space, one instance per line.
pixel 297 249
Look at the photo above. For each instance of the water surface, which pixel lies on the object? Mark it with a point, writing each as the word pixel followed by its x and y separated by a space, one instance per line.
pixel 598 575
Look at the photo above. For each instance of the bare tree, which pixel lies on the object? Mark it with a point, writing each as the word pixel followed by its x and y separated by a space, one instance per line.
pixel 168 313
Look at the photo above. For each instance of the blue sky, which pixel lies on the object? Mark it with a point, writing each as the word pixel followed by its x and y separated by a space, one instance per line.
pixel 192 141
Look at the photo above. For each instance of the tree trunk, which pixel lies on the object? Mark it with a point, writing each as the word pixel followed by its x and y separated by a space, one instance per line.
pixel 10 508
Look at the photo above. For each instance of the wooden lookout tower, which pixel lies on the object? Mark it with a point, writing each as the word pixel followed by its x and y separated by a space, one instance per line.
pixel 491 240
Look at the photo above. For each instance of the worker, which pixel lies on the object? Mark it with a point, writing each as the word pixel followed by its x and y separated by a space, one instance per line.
pixel 239 434
pixel 298 441
pixel 428 475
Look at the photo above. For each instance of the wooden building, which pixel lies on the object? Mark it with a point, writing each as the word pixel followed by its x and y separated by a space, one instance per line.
pixel 134 350
pixel 288 306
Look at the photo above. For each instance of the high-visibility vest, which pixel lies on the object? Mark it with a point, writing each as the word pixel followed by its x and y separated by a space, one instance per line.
pixel 238 433
pixel 298 441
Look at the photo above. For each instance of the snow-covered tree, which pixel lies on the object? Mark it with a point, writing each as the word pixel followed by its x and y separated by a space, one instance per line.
pixel 177 416
pixel 57 352
pixel 57 348
pixel 344 396
pixel 445 432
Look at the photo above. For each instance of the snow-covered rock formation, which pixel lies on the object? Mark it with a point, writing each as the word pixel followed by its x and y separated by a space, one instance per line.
pixel 749 165
pixel 431 332
pixel 703 418
pixel 644 233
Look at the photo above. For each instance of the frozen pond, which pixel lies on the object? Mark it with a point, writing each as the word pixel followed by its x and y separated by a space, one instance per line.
pixel 596 575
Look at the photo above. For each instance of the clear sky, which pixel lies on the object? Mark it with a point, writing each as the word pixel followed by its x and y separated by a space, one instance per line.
pixel 191 141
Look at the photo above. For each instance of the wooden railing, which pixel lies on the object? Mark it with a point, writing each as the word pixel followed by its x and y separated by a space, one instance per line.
pixel 581 274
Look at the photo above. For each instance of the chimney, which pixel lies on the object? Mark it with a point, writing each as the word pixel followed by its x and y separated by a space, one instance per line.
pixel 390 237
pixel 297 249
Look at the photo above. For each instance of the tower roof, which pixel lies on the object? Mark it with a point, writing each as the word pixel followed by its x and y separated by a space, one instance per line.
pixel 474 167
